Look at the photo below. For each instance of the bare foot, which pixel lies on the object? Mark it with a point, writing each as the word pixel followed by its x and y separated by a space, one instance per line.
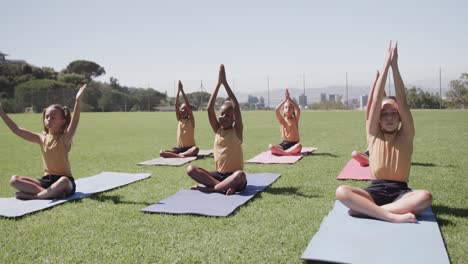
pixel 351 212
pixel 202 188
pixel 25 196
pixel 404 218
pixel 230 191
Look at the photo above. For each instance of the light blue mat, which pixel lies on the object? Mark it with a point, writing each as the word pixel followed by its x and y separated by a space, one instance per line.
pixel 212 204
pixel 12 207
pixel 345 239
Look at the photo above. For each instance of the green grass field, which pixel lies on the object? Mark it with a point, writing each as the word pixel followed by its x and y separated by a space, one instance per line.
pixel 274 227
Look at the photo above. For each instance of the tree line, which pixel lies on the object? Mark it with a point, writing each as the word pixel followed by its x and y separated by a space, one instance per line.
pixel 24 86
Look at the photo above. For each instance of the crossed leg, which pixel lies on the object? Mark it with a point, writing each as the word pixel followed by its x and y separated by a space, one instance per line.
pixel 29 188
pixel 169 153
pixel 234 182
pixel 360 202
pixel 278 150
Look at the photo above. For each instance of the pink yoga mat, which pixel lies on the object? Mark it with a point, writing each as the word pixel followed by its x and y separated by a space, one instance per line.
pixel 267 158
pixel 354 171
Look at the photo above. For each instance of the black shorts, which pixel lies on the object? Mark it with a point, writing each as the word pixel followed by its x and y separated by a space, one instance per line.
pixel 179 150
pixel 50 179
pixel 385 191
pixel 220 176
pixel 287 144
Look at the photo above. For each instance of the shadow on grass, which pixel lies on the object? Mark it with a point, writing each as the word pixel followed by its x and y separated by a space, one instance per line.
pixel 316 262
pixel 288 191
pixel 445 210
pixel 421 164
pixel 327 154
pixel 116 199
pixel 449 211
pixel 424 164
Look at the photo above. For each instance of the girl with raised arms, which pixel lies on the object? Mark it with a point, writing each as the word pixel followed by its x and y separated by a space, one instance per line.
pixel 390 134
pixel 229 176
pixel 55 143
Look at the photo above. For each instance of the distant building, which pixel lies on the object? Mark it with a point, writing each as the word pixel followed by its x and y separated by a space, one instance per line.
pixel 363 101
pixel 2 57
pixel 338 97
pixel 303 100
pixel 354 103
pixel 4 60
pixel 323 97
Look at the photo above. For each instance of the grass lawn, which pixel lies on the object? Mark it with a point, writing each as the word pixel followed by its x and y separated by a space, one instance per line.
pixel 274 227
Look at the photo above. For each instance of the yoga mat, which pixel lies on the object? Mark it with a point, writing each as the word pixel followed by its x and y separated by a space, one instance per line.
pixel 12 207
pixel 267 158
pixel 345 239
pixel 354 171
pixel 212 204
pixel 175 161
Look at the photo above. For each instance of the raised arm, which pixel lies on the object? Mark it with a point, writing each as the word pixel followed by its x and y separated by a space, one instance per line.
pixel 177 112
pixel 23 133
pixel 237 112
pixel 371 94
pixel 187 104
pixel 400 94
pixel 211 111
pixel 374 113
pixel 297 109
pixel 278 111
pixel 76 115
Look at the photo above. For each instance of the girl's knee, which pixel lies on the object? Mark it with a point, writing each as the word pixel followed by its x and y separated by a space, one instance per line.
pixel 426 196
pixel 342 192
pixel 14 179
pixel 191 169
pixel 240 174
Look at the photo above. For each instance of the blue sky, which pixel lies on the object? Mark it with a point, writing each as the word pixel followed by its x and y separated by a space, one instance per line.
pixel 153 43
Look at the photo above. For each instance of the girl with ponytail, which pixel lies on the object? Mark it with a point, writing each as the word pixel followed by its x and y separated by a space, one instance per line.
pixel 55 141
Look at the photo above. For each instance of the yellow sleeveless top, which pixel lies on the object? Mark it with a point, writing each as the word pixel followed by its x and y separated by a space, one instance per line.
pixel 185 133
pixel 290 132
pixel 390 156
pixel 228 151
pixel 55 155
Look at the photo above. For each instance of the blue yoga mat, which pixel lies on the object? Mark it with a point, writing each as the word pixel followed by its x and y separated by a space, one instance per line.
pixel 12 207
pixel 212 204
pixel 345 239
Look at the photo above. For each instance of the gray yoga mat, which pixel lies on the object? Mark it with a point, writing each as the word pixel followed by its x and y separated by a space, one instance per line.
pixel 175 161
pixel 345 239
pixel 12 207
pixel 212 204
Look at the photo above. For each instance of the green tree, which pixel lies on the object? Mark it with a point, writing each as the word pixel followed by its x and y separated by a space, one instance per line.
pixel 112 101
pixel 458 92
pixel 418 99
pixel 147 99
pixel 72 78
pixel 7 90
pixel 88 69
pixel 41 93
